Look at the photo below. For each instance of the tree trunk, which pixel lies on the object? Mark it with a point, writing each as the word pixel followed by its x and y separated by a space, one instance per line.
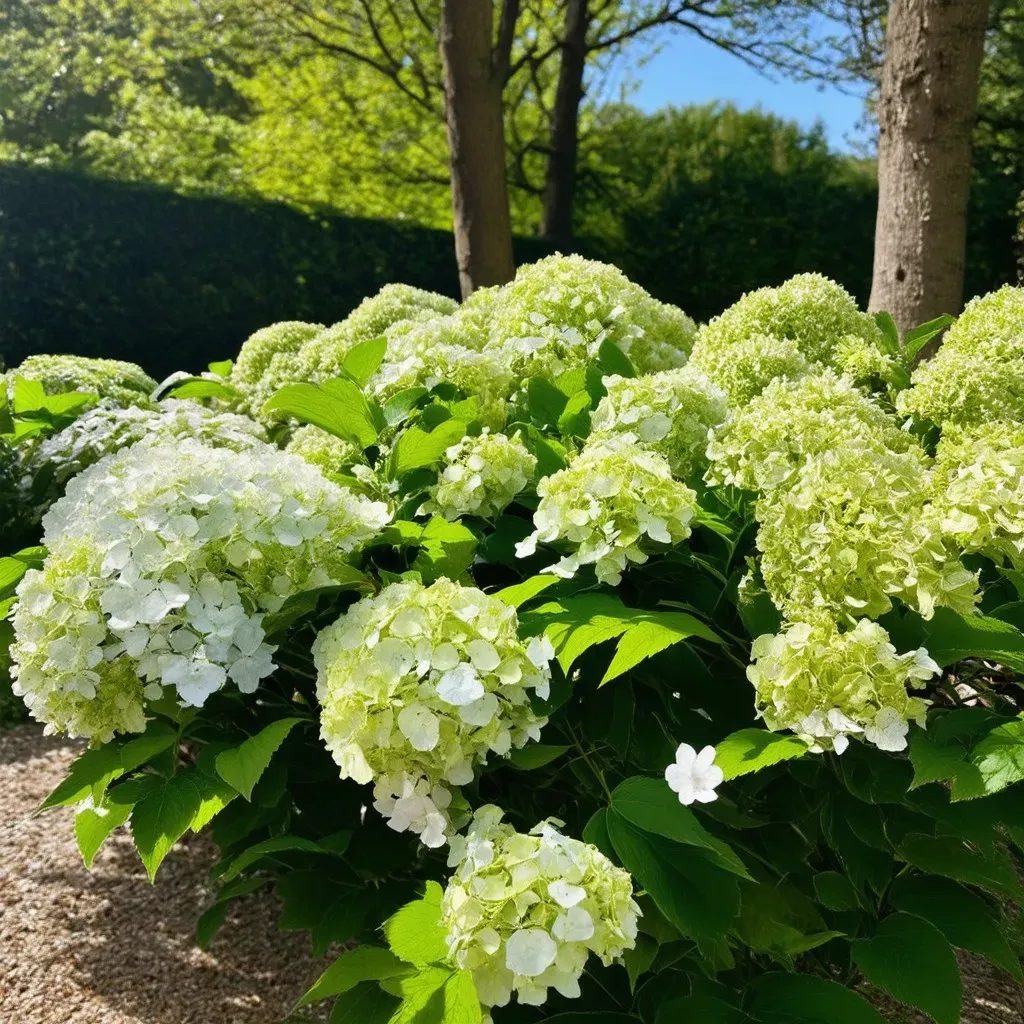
pixel 926 108
pixel 476 145
pixel 560 179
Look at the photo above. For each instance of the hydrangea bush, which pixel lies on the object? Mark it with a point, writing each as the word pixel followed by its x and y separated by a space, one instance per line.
pixel 560 675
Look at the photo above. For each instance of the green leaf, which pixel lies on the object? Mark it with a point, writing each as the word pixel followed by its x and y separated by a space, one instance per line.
pixel 29 395
pixel 418 449
pixel 698 898
pixel 330 911
pixel 340 409
pixel 446 549
pixel 911 960
pixel 202 387
pixel 916 339
pixel 211 920
pixel 363 360
pixel 546 402
pixel 414 932
pixel 162 817
pixel 423 997
pixel 750 750
pixel 890 333
pixel 279 844
pixel 364 963
pixel 575 418
pixel 398 407
pixel 963 918
pixel 536 755
pixel 364 1004
pixel 649 636
pixel 951 637
pixel 221 367
pixel 90 775
pixel 158 737
pixel 702 1008
pixel 592 1017
pixel 242 766
pixel 612 360
pixel 11 571
pixel 835 891
pixel 519 593
pixel 651 806
pixel 955 859
pixel 595 832
pixel 787 998
pixel 998 759
pixel 94 824
pixel 461 1004
pixel 639 959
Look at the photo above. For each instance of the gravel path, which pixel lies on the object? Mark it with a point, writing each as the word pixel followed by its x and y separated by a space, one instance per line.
pixel 106 947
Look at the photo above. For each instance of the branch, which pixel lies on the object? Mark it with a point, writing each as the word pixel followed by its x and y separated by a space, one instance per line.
pixel 506 37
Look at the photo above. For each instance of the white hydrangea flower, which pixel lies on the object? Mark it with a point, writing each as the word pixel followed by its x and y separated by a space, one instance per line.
pixel 418 686
pixel 163 560
pixel 119 382
pixel 669 412
pixel 612 500
pixel 266 361
pixel 827 686
pixel 108 428
pixel 694 776
pixel 524 912
pixel 327 452
pixel 481 476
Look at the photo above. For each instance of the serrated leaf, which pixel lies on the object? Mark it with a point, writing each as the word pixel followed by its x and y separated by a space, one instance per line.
pixel 963 918
pixel 279 844
pixel 519 593
pixel 835 891
pixel 639 959
pixel 750 750
pixel 953 858
pixel 461 1004
pixel 418 449
pixel 998 759
pixel 364 359
pixel 162 817
pixel 94 824
pixel 536 755
pixel 415 933
pixel 329 910
pixel 649 636
pixel 952 637
pixel 575 418
pixel 364 963
pixel 545 402
pixel 790 998
pixel 364 1004
pixel 89 775
pixel 242 766
pixel 651 806
pixel 422 996
pixel 203 387
pixel 916 338
pixel 397 408
pixel 221 367
pixel 340 409
pixel 446 549
pixel 910 959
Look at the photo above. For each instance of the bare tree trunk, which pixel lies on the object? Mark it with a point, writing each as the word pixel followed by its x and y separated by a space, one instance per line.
pixel 560 179
pixel 929 92
pixel 473 82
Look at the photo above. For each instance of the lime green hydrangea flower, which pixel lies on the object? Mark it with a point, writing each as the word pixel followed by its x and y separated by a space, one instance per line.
pixel 266 361
pixel 119 382
pixel 979 489
pixel 614 499
pixel 767 440
pixel 826 686
pixel 977 376
pixel 106 429
pixel 770 331
pixel 524 912
pixel 162 561
pixel 481 476
pixel 571 305
pixel 417 686
pixel 852 531
pixel 322 356
pixel 669 412
pixel 328 453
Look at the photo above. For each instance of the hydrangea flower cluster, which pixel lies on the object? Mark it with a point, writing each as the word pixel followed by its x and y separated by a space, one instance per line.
pixel 826 686
pixel 772 437
pixel 611 500
pixel 324 450
pixel 266 361
pixel 808 320
pixel 977 376
pixel 107 428
pixel 669 412
pixel 162 561
pixel 482 476
pixel 979 489
pixel 524 912
pixel 120 382
pixel 417 686
pixel 577 304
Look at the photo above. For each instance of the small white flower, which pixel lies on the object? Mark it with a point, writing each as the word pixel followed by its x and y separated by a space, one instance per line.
pixel 530 951
pixel 693 776
pixel 888 731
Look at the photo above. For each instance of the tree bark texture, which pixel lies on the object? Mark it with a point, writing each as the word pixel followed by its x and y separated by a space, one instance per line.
pixel 476 144
pixel 560 178
pixel 926 109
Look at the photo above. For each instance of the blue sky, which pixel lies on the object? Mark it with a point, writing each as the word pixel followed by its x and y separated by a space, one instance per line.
pixel 689 70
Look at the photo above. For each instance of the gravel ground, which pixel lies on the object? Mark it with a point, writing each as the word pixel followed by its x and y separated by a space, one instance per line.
pixel 106 947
